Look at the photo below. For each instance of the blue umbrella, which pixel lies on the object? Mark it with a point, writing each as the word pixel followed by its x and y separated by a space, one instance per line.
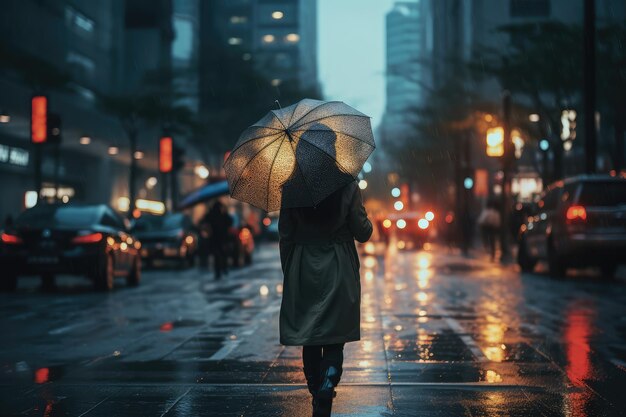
pixel 203 194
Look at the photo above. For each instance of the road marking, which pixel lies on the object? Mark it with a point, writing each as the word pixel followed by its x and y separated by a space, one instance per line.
pixel 461 332
pixel 225 350
pixel 176 402
pixel 66 329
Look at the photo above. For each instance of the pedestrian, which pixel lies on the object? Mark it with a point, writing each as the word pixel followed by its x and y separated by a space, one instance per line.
pixel 219 221
pixel 320 309
pixel 489 222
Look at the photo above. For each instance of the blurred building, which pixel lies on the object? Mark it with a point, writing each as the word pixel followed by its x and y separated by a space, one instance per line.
pixel 457 31
pixel 404 71
pixel 75 51
pixel 278 38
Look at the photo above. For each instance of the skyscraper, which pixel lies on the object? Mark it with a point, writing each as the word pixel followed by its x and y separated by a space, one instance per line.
pixel 405 42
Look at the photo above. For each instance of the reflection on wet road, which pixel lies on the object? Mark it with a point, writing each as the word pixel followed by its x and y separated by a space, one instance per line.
pixel 442 335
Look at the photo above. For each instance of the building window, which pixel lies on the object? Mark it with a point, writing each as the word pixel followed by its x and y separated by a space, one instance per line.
pixel 238 20
pixel 530 8
pixel 268 38
pixel 83 65
pixel 292 38
pixel 78 21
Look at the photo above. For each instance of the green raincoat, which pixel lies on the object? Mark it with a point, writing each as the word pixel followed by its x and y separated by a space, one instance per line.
pixel 322 290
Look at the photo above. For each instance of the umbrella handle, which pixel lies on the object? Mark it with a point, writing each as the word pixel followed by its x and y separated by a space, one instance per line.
pixel 278 102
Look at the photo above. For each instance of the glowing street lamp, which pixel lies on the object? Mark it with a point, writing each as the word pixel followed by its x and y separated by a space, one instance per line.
pixel 495 141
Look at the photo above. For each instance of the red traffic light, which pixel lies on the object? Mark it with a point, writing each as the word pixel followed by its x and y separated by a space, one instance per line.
pixel 165 154
pixel 39 119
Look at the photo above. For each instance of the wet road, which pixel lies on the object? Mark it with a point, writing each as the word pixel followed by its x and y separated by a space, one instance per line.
pixel 441 336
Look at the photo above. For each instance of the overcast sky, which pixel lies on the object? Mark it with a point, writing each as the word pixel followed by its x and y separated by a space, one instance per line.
pixel 351 36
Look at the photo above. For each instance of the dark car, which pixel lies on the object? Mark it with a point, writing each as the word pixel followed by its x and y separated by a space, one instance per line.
pixel 578 222
pixel 411 228
pixel 168 237
pixel 90 240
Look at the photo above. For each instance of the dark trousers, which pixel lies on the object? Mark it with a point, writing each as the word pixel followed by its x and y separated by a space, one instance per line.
pixel 317 359
pixel 219 258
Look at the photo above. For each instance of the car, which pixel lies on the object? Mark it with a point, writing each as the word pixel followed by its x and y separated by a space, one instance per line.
pixel 577 222
pixel 412 229
pixel 90 240
pixel 168 237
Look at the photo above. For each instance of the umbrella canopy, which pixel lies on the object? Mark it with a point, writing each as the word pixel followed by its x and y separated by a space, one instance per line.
pixel 299 155
pixel 203 194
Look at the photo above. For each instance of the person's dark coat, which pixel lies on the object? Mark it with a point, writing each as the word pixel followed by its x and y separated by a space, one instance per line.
pixel 322 289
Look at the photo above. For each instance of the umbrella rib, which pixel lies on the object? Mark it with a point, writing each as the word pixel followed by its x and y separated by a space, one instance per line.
pixel 269 177
pixel 314 108
pixel 249 140
pixel 298 167
pixel 294 112
pixel 331 115
pixel 248 163
pixel 278 118
pixel 373 145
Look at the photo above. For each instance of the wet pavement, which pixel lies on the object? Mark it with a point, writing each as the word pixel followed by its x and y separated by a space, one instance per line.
pixel 442 335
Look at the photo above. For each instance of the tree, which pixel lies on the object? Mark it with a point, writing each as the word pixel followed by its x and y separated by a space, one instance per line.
pixel 137 111
pixel 544 65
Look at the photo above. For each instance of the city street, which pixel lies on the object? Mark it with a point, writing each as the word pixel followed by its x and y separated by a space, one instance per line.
pixel 442 335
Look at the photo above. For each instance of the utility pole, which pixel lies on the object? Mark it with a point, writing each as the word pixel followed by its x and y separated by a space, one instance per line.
pixel 590 86
pixel 507 159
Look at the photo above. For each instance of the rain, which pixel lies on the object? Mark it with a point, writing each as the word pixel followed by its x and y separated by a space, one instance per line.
pixel 367 208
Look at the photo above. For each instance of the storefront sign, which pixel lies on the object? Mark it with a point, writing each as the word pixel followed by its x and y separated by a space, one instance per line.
pixel 14 156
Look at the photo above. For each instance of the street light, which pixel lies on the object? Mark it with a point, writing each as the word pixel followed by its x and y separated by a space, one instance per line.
pixel 398 205
pixel 4 117
pixel 138 155
pixel 113 150
pixel 495 141
pixel 395 192
pixel 533 117
pixel 362 184
pixel 367 167
pixel 201 171
pixel 544 145
pixel 84 140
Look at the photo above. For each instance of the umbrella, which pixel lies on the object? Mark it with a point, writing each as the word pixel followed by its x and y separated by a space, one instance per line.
pixel 204 193
pixel 299 155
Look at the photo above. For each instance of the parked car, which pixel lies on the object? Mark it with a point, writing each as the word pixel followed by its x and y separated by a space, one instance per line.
pixel 578 222
pixel 171 236
pixel 90 240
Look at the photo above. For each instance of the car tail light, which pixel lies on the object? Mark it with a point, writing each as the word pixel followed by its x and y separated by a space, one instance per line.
pixel 576 213
pixel 11 239
pixel 90 238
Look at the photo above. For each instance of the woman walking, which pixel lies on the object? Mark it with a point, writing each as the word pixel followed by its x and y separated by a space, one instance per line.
pixel 320 309
pixel 303 159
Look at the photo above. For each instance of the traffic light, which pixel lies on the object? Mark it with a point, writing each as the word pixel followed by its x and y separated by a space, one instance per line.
pixel 39 119
pixel 165 154
pixel 468 178
pixel 54 128
pixel 178 158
